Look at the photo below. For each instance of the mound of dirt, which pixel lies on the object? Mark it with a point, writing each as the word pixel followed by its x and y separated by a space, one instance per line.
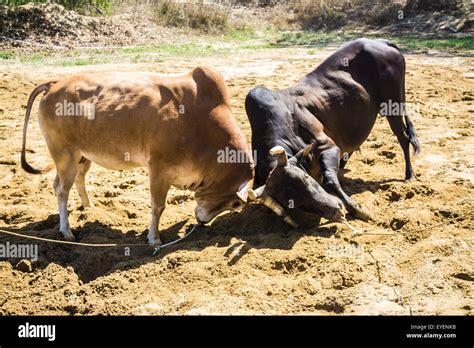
pixel 45 20
pixel 39 25
pixel 434 24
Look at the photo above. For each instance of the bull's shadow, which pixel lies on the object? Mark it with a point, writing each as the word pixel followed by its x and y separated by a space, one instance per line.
pixel 254 227
pixel 88 262
pixel 258 227
pixel 358 185
pixel 355 186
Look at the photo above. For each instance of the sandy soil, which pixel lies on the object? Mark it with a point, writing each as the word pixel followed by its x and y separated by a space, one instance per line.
pixel 253 263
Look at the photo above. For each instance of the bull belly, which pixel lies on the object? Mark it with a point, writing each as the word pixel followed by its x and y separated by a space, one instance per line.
pixel 116 161
pixel 185 177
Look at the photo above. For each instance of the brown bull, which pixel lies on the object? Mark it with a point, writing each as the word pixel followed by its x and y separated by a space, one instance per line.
pixel 174 125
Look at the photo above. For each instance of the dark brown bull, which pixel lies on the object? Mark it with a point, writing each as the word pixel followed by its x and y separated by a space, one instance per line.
pixel 323 119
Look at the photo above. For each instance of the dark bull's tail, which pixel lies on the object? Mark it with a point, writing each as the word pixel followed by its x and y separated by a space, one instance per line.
pixel 399 96
pixel 410 132
pixel 26 167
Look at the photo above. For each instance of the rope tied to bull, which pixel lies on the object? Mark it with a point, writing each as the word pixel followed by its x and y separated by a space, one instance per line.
pixel 156 249
pixel 159 247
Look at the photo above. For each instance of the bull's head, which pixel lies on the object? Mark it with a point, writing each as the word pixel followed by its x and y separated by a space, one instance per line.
pixel 289 187
pixel 211 205
pixel 225 188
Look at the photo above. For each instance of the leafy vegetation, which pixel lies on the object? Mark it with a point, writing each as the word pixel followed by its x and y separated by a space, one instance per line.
pixel 200 16
pixel 81 6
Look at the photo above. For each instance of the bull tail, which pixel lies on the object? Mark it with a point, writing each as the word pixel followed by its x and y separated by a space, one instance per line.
pixel 24 164
pixel 409 128
pixel 410 132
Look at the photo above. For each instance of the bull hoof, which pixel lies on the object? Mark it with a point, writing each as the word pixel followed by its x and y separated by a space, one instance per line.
pixel 360 213
pixel 338 216
pixel 68 236
pixel 156 241
pixel 410 176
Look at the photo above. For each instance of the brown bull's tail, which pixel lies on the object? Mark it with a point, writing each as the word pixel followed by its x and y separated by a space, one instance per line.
pixel 29 169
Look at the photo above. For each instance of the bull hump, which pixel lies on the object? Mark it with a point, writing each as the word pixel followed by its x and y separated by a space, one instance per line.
pixel 210 82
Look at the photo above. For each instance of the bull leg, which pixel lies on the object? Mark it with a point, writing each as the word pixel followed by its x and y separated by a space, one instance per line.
pixel 67 167
pixel 80 183
pixel 398 128
pixel 159 188
pixel 330 164
pixel 344 160
pixel 393 92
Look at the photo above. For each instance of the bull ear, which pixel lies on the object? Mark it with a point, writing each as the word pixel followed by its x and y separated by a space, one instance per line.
pixel 302 154
pixel 242 192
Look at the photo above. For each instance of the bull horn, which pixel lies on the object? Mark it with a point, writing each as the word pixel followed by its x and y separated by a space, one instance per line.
pixel 278 209
pixel 255 194
pixel 242 192
pixel 280 152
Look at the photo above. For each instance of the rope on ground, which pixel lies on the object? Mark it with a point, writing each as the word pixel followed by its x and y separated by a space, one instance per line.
pixel 64 241
pixel 106 245
pixel 159 247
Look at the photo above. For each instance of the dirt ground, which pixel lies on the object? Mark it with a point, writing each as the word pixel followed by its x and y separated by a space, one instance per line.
pixel 252 262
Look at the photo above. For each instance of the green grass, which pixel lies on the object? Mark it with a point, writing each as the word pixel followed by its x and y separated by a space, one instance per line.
pixel 319 39
pixel 440 44
pixel 80 61
pixel 175 49
pixel 239 40
pixel 7 54
pixel 133 55
pixel 241 34
pixel 257 47
pixel 310 38
pixel 37 57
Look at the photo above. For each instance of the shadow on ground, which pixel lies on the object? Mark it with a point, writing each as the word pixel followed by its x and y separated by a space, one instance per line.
pixel 254 227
